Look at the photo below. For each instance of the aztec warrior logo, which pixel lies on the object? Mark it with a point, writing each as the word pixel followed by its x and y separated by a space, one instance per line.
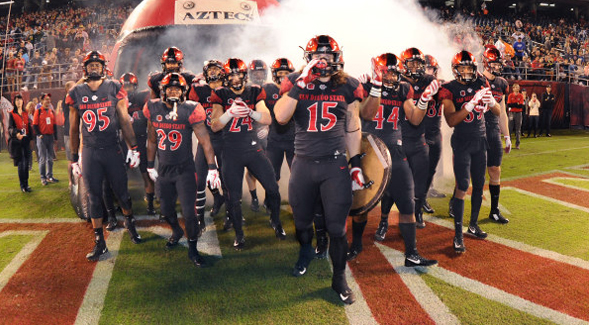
pixel 46 280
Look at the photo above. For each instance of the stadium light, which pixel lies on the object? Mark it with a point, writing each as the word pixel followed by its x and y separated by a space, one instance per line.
pixel 6 3
pixel 543 4
pixel 552 4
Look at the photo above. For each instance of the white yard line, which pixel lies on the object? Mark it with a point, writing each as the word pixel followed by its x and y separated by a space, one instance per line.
pixel 358 312
pixel 91 308
pixel 503 297
pixel 424 295
pixel 555 181
pixel 23 255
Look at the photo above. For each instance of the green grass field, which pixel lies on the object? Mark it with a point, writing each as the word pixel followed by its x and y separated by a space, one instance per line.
pixel 151 285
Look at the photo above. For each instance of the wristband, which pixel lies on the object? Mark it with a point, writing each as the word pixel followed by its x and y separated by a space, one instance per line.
pixel 355 161
pixel 225 118
pixel 75 157
pixel 506 137
pixel 150 164
pixel 212 166
pixel 255 115
pixel 375 91
pixel 422 105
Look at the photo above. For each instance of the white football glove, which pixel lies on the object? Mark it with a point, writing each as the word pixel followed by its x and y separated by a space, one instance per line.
pixel 152 174
pixel 476 99
pixel 238 109
pixel 357 178
pixel 507 144
pixel 133 158
pixel 307 76
pixel 213 179
pixel 76 170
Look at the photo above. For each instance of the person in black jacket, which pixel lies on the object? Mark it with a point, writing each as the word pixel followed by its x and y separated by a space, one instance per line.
pixel 20 130
pixel 546 109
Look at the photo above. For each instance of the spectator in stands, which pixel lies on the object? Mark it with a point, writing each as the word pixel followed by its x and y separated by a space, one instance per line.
pixel 19 69
pixel 33 70
pixel 515 106
pixel 533 115
pixel 10 71
pixel 546 108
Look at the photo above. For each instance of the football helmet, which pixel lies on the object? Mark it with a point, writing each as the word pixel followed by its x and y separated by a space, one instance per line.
pixel 129 78
pixel 432 63
pixel 281 64
pixel 464 59
pixel 258 72
pixel 235 66
pixel 325 44
pixel 94 56
pixel 414 63
pixel 212 78
pixel 392 69
pixel 492 60
pixel 172 55
pixel 173 79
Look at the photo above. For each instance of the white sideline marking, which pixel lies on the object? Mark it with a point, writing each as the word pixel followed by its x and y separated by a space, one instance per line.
pixel 91 308
pixel 552 151
pixel 358 312
pixel 18 260
pixel 555 181
pixel 429 301
pixel 208 243
pixel 503 297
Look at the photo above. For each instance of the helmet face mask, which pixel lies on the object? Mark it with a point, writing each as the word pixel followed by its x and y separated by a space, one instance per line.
pixel 213 71
pixel 414 63
pixel 94 66
pixel 236 74
pixel 392 68
pixel 431 66
pixel 258 72
pixel 325 48
pixel 464 67
pixel 280 69
pixel 172 60
pixel 173 88
pixel 391 80
pixel 493 60
pixel 129 82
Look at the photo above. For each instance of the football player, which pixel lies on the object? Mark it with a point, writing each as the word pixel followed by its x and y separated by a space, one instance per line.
pixel 172 60
pixel 258 73
pixel 495 126
pixel 171 122
pixel 137 100
pixel 465 100
pixel 414 144
pixel 235 108
pixel 325 127
pixel 214 74
pixel 433 136
pixel 101 105
pixel 389 101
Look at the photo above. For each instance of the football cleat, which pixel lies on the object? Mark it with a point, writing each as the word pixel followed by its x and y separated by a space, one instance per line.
pixel 255 206
pixel 321 249
pixel 228 224
pixel 498 217
pixel 133 234
pixel 111 224
pixel 217 206
pixel 150 211
pixel 99 249
pixel 340 286
pixel 239 242
pixel 381 232
pixel 417 260
pixel 196 258
pixel 427 208
pixel 305 257
pixel 419 223
pixel 177 234
pixel 279 231
pixel 459 245
pixel 353 252
pixel 476 231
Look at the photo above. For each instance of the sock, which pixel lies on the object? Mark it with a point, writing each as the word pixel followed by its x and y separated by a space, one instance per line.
pixel 475 205
pixel 254 194
pixel 98 234
pixel 338 251
pixel 357 232
pixel 408 234
pixel 386 204
pixel 458 207
pixel 494 190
